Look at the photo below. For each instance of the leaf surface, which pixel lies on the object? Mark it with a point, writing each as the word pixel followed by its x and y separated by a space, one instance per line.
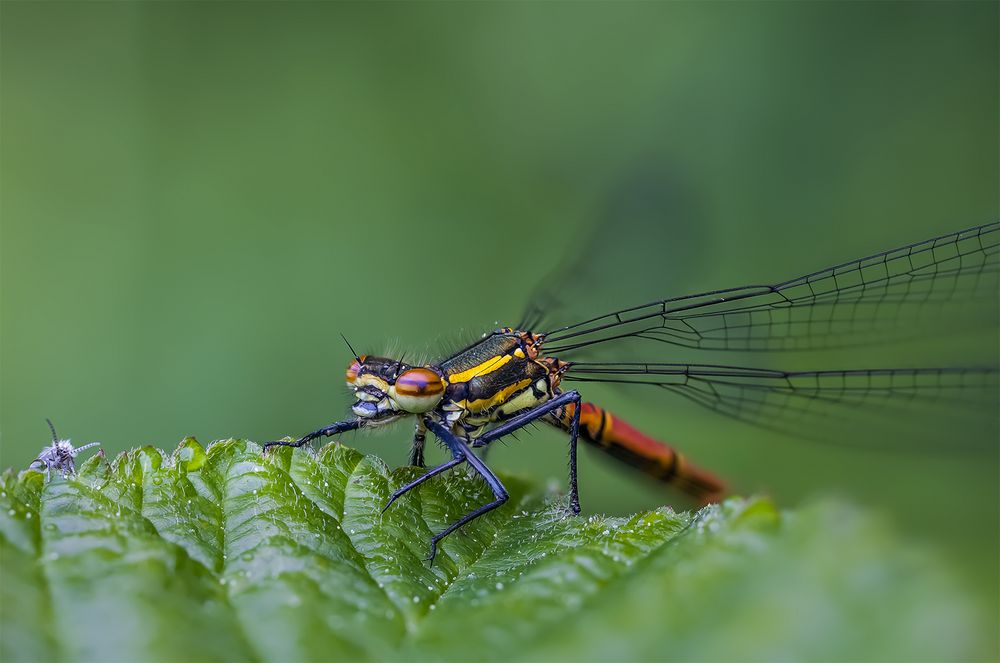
pixel 227 554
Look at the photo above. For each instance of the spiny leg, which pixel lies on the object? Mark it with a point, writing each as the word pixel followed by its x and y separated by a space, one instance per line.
pixel 459 449
pixel 574 434
pixel 486 508
pixel 417 447
pixel 419 480
pixel 332 429
pixel 535 414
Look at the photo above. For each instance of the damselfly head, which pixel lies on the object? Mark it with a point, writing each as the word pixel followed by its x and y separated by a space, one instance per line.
pixel 384 387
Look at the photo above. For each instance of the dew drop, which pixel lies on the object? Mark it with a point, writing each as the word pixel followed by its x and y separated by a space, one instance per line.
pixel 27 515
pixel 157 481
pixel 499 585
pixel 11 512
pixel 416 599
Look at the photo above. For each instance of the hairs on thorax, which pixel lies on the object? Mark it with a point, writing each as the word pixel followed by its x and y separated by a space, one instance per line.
pixel 458 339
pixel 446 344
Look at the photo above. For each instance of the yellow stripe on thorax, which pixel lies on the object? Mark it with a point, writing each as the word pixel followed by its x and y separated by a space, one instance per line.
pixel 496 399
pixel 488 366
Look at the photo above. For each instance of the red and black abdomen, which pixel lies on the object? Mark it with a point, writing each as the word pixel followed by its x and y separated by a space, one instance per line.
pixel 652 457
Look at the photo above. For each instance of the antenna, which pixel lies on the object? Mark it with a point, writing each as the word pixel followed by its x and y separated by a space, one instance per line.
pixel 84 447
pixel 55 438
pixel 350 348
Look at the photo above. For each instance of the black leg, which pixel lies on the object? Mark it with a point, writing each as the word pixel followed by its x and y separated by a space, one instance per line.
pixel 530 416
pixel 332 429
pixel 464 520
pixel 419 480
pixel 574 433
pixel 460 449
pixel 417 448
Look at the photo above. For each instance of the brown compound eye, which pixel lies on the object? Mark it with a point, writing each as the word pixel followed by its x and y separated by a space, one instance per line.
pixel 418 390
pixel 353 369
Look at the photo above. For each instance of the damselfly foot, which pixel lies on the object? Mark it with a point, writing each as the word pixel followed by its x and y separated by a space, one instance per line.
pixel 434 548
pixel 287 442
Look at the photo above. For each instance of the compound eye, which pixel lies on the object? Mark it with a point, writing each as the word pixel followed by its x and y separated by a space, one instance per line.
pixel 353 369
pixel 418 389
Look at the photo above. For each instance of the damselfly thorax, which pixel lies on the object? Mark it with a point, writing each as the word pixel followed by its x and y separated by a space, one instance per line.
pixel 502 375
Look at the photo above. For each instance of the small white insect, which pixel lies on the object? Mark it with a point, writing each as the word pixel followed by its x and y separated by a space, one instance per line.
pixel 60 456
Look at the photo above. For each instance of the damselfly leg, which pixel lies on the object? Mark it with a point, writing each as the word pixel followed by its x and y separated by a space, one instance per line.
pixel 462 452
pixel 417 447
pixel 459 448
pixel 521 420
pixel 457 460
pixel 333 429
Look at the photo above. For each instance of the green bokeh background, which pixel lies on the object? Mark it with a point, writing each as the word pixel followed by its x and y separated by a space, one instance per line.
pixel 198 198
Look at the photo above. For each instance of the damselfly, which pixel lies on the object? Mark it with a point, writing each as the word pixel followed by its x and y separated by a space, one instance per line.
pixel 516 376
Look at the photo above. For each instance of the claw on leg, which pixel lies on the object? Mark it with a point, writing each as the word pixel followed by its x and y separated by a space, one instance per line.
pixel 434 549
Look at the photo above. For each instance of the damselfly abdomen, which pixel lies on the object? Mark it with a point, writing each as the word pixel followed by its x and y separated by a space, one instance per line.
pixel 515 376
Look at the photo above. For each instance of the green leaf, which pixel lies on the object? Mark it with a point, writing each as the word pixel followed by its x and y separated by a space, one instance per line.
pixel 226 554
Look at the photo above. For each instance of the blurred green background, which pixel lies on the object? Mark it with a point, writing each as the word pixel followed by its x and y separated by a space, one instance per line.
pixel 198 198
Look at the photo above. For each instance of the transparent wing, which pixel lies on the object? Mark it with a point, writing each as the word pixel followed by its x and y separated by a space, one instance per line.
pixel 943 282
pixel 652 209
pixel 818 404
